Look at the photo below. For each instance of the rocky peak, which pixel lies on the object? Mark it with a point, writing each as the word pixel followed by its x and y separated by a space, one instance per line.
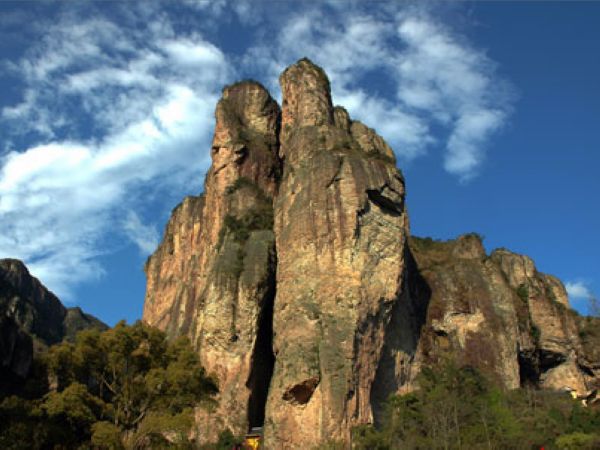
pixel 36 309
pixel 245 142
pixel 518 268
pixel 306 97
pixel 294 276
pixel 212 277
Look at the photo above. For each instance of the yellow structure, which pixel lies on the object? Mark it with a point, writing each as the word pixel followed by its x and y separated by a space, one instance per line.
pixel 252 442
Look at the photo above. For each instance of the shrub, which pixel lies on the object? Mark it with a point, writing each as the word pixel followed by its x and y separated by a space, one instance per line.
pixel 523 292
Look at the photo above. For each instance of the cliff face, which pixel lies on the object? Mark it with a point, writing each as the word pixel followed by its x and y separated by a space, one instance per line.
pixel 213 276
pixel 340 229
pixel 498 313
pixel 294 276
pixel 31 317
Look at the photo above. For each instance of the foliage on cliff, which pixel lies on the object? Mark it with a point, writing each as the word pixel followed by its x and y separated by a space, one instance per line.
pixel 127 387
pixel 459 408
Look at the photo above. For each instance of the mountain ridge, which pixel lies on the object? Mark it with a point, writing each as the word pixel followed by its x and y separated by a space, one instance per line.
pixel 32 318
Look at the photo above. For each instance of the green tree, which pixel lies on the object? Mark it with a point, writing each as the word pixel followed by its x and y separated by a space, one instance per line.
pixel 130 377
pixel 106 435
pixel 578 441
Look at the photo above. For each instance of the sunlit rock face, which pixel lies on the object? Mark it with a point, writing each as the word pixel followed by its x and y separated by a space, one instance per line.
pixel 213 276
pixel 340 228
pixel 498 313
pixel 296 280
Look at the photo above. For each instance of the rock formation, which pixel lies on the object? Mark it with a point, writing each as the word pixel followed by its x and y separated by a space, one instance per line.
pixel 213 276
pixel 498 313
pixel 296 280
pixel 340 229
pixel 31 318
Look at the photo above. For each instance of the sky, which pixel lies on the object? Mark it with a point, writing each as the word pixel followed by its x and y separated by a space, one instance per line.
pixel 106 118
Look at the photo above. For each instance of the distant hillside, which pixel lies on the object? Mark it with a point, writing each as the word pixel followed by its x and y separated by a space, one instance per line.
pixel 31 318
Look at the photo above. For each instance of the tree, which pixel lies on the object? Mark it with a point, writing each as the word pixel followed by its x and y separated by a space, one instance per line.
pixel 130 379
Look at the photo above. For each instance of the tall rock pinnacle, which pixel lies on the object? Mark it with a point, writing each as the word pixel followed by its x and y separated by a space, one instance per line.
pixel 212 277
pixel 340 229
pixel 294 276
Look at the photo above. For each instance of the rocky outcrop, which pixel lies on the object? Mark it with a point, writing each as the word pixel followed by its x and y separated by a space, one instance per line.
pixel 340 228
pixel 31 318
pixel 498 313
pixel 213 276
pixel 321 240
pixel 294 277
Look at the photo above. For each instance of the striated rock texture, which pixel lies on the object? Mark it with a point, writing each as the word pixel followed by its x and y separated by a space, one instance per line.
pixel 213 276
pixel 498 313
pixel 340 228
pixel 31 318
pixel 295 278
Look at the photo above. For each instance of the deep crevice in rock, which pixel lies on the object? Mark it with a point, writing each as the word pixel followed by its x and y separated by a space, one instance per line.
pixel 533 363
pixel 586 370
pixel 263 359
pixel 388 205
pixel 549 360
pixel 301 392
pixel 402 335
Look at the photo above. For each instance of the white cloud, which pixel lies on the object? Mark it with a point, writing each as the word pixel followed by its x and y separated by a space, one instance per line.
pixel 134 113
pixel 145 236
pixel 444 77
pixel 439 78
pixel 578 290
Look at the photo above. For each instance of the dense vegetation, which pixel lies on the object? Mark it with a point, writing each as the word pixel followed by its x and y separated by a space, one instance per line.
pixel 458 408
pixel 127 387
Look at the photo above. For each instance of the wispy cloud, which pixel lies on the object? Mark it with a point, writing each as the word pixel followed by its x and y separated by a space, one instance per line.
pixel 439 78
pixel 145 236
pixel 117 112
pixel 578 290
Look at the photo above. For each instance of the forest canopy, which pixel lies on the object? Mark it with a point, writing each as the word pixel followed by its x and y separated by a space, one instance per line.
pixel 127 387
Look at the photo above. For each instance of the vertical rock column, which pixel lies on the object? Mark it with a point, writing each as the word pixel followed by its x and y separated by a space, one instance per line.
pixel 213 276
pixel 340 228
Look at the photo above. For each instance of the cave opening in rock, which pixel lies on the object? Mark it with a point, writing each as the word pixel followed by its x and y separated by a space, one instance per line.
pixel 529 372
pixel 263 360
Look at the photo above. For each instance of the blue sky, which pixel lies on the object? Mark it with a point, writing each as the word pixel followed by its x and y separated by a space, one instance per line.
pixel 106 117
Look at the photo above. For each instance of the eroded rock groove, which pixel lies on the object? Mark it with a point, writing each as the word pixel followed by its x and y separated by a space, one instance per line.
pixel 263 360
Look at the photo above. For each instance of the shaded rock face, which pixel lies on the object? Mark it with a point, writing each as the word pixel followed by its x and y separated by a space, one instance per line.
pixel 295 279
pixel 31 318
pixel 498 313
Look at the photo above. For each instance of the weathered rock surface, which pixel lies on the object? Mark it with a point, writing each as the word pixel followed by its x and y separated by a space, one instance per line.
pixel 213 276
pixel 340 228
pixel 498 313
pixel 31 317
pixel 295 279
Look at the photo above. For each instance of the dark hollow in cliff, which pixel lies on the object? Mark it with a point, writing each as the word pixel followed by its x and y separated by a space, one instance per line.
pixel 529 371
pixel 403 333
pixel 263 360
